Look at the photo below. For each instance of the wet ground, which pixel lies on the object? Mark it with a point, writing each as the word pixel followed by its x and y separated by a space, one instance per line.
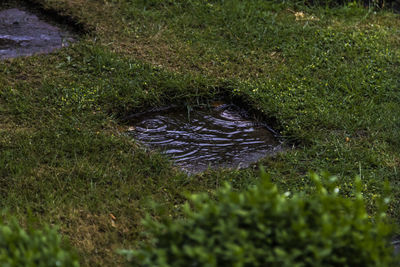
pixel 24 34
pixel 203 138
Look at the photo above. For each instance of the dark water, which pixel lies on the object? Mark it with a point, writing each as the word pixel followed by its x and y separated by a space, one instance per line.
pixel 202 138
pixel 24 34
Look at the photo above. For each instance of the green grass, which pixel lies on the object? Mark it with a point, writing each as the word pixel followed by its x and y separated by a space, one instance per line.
pixel 327 81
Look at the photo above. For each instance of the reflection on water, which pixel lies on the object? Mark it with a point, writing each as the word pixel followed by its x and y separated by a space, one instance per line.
pixel 24 34
pixel 204 138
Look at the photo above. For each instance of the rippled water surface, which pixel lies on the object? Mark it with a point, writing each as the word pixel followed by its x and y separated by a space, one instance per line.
pixel 24 34
pixel 202 138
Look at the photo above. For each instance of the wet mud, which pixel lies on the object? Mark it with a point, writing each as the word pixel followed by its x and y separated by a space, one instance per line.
pixel 24 34
pixel 205 138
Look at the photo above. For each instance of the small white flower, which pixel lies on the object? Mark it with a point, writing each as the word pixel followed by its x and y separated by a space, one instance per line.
pixel 336 190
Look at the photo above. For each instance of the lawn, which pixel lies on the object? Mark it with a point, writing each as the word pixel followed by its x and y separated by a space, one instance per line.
pixel 326 78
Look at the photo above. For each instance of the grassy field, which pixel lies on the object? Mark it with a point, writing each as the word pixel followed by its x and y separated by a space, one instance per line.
pixel 326 78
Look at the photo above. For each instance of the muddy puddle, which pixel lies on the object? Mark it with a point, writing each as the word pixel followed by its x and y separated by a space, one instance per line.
pixel 209 137
pixel 24 34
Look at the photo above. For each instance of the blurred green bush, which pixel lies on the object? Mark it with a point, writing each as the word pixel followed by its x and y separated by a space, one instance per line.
pixel 262 227
pixel 19 247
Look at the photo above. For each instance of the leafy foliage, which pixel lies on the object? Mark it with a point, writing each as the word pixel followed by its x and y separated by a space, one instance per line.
pixel 262 227
pixel 33 247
